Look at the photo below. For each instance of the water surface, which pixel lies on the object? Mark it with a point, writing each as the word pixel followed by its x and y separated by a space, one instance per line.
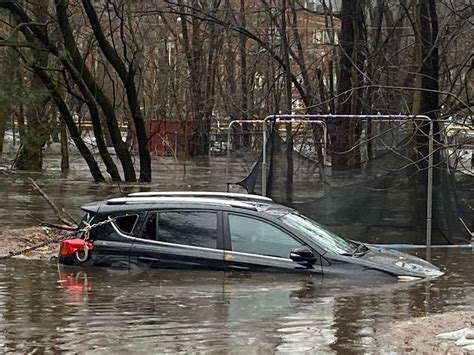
pixel 44 308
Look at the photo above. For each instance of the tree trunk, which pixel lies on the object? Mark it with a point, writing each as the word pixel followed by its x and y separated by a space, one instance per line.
pixel 344 132
pixel 20 119
pixel 64 147
pixel 231 107
pixel 34 34
pixel 36 132
pixel 87 87
pixel 426 100
pixel 69 120
pixel 3 126
pixel 96 120
pixel 202 72
pixel 289 101
pixel 244 87
pixel 67 117
pixel 194 58
pixel 11 78
pixel 127 75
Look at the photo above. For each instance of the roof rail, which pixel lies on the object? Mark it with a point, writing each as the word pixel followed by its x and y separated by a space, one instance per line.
pixel 231 195
pixel 187 199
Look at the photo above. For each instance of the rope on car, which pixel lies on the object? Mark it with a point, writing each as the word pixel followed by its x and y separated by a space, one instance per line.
pixel 83 232
pixel 88 227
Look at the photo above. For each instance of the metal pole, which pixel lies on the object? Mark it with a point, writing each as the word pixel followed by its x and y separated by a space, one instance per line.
pixel 325 143
pixel 264 160
pixel 429 192
pixel 229 130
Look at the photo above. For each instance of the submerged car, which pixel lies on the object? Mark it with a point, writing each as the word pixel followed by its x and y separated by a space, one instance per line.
pixel 225 231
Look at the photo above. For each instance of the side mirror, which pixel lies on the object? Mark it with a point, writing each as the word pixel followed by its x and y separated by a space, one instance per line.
pixel 302 254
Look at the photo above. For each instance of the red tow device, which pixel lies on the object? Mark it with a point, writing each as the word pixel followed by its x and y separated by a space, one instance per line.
pixel 71 246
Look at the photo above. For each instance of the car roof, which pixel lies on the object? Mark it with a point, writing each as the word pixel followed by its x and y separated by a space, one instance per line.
pixel 215 194
pixel 196 199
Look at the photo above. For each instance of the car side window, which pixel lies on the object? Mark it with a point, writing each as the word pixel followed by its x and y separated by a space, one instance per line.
pixel 253 236
pixel 126 223
pixel 149 232
pixel 195 228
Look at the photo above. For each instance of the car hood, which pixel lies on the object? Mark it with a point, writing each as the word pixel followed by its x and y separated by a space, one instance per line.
pixel 395 262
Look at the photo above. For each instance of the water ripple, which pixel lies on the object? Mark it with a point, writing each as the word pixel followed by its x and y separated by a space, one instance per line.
pixel 43 309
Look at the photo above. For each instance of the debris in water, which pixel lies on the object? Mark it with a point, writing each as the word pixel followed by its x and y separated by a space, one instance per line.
pixel 14 240
pixel 457 334
pixel 464 337
pixel 463 341
pixel 469 334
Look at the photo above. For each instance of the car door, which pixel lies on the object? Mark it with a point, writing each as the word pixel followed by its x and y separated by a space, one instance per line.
pixel 112 240
pixel 180 239
pixel 256 244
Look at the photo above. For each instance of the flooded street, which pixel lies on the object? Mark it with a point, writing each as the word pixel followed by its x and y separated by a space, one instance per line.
pixel 46 309
pixel 25 207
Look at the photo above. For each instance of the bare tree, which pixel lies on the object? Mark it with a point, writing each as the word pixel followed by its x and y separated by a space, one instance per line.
pixel 36 133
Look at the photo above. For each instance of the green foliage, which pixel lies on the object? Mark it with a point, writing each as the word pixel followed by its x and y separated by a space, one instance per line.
pixel 63 54
pixel 15 85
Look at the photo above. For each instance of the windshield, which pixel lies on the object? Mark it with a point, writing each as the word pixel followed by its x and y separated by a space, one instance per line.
pixel 325 239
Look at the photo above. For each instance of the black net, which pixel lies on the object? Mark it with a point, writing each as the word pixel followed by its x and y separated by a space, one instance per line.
pixel 382 199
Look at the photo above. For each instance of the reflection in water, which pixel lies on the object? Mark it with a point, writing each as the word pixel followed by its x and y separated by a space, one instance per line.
pixel 76 286
pixel 46 309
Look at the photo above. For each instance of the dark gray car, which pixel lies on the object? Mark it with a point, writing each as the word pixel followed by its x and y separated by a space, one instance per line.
pixel 202 230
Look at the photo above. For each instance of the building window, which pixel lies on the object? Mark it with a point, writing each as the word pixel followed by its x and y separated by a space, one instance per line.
pixel 324 36
pixel 319 36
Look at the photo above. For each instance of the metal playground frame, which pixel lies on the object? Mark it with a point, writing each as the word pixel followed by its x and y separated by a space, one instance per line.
pixel 321 121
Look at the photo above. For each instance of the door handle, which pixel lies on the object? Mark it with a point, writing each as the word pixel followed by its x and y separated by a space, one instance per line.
pixel 238 268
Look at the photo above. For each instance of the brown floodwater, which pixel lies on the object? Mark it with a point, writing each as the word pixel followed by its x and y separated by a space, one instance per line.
pixel 25 207
pixel 44 308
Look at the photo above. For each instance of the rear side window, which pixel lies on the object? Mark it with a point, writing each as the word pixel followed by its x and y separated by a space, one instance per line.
pixel 193 228
pixel 126 223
